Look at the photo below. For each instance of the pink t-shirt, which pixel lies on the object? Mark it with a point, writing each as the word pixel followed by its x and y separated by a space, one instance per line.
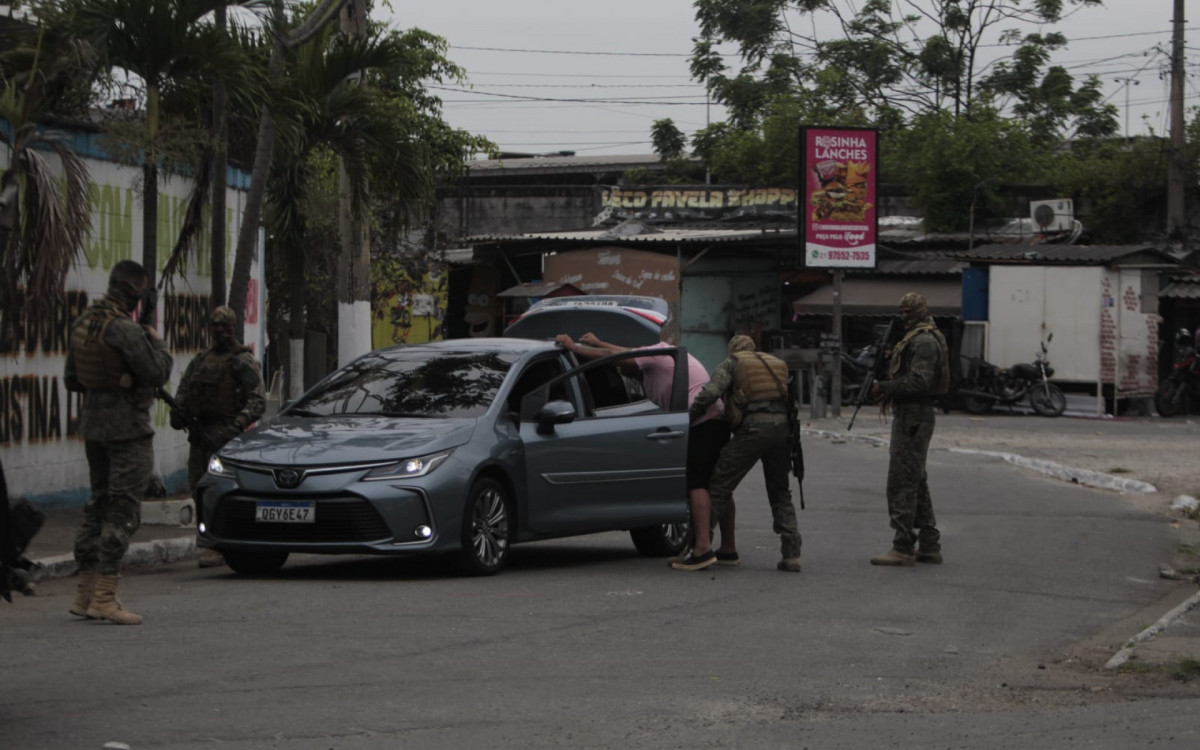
pixel 658 372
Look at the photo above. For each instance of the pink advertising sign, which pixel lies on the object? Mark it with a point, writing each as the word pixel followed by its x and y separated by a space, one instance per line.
pixel 838 206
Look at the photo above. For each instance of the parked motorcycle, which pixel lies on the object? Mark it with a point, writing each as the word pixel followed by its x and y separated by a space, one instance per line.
pixel 1179 393
pixel 987 386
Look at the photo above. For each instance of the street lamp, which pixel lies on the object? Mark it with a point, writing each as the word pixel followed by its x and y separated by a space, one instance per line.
pixel 1128 82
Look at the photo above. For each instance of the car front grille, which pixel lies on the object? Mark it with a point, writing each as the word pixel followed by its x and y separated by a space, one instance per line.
pixel 339 519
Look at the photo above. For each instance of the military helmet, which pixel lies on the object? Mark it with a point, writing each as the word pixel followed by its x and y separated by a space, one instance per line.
pixel 223 315
pixel 741 343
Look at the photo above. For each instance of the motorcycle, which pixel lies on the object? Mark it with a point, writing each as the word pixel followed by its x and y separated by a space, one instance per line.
pixel 1180 391
pixel 987 386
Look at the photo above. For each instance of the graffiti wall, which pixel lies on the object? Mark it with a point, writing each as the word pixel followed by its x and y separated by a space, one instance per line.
pixel 39 419
pixel 410 308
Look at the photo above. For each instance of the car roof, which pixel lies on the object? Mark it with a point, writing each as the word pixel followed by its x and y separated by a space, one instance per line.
pixel 472 346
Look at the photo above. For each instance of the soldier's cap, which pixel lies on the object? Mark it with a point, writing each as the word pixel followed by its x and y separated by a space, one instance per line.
pixel 741 343
pixel 914 301
pixel 223 315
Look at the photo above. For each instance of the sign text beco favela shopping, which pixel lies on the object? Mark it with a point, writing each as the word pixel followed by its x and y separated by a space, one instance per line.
pixel 837 215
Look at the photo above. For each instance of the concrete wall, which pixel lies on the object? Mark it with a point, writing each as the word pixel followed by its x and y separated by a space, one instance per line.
pixel 39 443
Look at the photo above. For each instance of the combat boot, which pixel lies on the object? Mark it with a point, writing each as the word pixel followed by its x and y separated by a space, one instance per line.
pixel 789 565
pixel 83 594
pixel 894 557
pixel 934 557
pixel 105 604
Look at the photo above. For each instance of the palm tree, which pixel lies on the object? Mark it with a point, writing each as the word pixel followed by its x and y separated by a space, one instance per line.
pixel 44 220
pixel 354 122
pixel 160 43
pixel 283 41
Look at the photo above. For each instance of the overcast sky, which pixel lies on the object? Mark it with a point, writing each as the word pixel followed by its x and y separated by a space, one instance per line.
pixel 632 56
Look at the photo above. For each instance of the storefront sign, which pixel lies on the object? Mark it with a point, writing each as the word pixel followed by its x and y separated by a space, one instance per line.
pixel 837 218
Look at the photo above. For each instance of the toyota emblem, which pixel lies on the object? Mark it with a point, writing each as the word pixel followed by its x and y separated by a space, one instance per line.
pixel 288 478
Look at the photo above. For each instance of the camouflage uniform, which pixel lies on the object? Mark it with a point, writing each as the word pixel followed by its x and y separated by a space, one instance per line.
pixel 762 434
pixel 918 371
pixel 222 389
pixel 117 365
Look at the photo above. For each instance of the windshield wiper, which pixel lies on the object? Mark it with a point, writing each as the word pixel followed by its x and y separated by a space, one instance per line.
pixel 304 413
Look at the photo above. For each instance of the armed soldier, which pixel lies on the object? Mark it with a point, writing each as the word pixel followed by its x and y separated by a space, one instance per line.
pixel 222 390
pixel 755 387
pixel 116 363
pixel 919 371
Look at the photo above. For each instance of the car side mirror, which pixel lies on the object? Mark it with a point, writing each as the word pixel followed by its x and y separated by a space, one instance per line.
pixel 552 413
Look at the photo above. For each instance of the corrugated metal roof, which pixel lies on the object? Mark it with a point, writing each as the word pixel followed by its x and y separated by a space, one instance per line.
pixel 563 163
pixel 661 236
pixel 1181 287
pixel 1071 254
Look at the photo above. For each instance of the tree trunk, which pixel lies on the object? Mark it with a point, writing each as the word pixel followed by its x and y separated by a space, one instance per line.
pixel 248 231
pixel 354 262
pixel 296 323
pixel 220 159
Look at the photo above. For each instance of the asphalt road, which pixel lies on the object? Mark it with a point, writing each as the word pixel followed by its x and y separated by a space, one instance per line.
pixel 583 644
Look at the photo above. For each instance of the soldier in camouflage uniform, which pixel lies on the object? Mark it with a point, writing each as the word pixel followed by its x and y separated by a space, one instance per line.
pixel 755 389
pixel 116 363
pixel 919 371
pixel 222 389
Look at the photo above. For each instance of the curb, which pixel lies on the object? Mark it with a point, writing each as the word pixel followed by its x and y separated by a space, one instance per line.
pixel 1067 473
pixel 1126 652
pixel 1058 471
pixel 139 553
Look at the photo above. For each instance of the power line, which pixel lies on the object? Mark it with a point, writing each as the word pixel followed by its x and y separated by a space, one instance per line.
pixel 627 100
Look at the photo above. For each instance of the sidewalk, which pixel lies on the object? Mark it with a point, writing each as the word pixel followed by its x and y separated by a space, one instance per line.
pixel 163 537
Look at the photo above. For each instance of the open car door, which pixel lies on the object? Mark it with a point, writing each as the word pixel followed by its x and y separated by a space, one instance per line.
pixel 592 467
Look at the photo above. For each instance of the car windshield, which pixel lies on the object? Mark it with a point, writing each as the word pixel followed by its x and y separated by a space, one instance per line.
pixel 410 383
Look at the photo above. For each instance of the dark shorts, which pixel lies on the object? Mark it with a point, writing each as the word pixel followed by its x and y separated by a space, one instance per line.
pixel 705 441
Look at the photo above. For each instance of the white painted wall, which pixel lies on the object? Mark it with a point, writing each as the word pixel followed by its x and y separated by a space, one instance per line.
pixel 1083 307
pixel 43 457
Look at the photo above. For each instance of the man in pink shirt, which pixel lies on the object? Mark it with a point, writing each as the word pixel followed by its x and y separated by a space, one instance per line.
pixel 706 435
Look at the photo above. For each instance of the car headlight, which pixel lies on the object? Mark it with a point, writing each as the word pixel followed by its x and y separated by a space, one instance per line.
pixel 218 469
pixel 407 468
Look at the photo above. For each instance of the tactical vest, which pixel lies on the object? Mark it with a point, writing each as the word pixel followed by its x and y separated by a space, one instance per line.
pixel 758 377
pixel 213 391
pixel 98 365
pixel 942 386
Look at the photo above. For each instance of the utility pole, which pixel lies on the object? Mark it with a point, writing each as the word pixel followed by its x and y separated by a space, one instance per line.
pixel 1176 217
pixel 1129 83
pixel 354 261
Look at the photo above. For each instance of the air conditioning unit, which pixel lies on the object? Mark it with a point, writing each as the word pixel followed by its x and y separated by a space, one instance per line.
pixel 1057 215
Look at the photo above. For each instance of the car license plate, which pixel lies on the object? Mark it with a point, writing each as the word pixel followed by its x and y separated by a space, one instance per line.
pixel 286 512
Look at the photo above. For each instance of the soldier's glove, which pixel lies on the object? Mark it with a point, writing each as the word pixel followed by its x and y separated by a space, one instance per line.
pixel 177 422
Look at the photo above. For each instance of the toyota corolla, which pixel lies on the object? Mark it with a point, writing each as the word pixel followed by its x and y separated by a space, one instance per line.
pixel 464 447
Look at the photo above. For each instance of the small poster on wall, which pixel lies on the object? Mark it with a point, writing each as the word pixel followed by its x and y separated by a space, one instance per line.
pixel 837 216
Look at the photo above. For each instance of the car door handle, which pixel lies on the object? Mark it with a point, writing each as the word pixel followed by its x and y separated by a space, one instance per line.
pixel 666 435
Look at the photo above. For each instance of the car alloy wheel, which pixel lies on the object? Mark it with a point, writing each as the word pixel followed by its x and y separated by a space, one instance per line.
pixel 486 528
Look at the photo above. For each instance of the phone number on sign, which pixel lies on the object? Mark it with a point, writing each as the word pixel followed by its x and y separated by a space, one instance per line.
pixel 849 255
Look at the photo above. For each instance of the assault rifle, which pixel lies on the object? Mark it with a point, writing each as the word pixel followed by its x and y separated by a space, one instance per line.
pixel 873 373
pixel 190 423
pixel 149 306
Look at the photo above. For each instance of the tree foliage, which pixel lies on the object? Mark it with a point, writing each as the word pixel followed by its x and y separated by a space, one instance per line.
pixel 918 70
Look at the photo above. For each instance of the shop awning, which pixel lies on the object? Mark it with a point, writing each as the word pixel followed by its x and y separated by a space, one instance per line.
pixel 882 297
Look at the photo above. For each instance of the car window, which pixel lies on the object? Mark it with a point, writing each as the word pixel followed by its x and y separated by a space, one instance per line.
pixel 534 375
pixel 412 382
pixel 616 386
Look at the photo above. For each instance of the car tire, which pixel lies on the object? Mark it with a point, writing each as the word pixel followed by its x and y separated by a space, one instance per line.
pixel 662 540
pixel 487 528
pixel 254 563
